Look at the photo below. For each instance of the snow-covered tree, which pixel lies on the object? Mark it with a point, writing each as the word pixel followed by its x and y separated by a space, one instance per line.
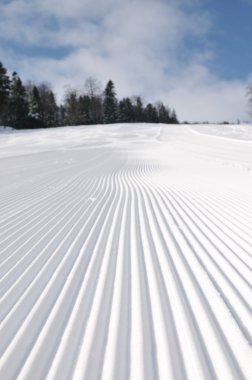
pixel 35 111
pixel 43 109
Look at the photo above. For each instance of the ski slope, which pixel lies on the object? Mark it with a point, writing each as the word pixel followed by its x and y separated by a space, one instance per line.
pixel 126 253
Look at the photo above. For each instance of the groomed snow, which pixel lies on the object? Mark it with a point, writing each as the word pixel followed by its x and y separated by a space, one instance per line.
pixel 126 253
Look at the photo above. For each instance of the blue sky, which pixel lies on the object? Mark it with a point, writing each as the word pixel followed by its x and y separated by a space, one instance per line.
pixel 195 55
pixel 231 37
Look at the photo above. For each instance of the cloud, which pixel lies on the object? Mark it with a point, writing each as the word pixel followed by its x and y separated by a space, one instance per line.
pixel 148 47
pixel 200 96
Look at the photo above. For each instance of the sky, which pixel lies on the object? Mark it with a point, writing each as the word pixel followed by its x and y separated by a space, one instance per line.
pixel 194 55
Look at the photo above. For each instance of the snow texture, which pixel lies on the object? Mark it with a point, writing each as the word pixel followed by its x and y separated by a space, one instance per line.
pixel 126 253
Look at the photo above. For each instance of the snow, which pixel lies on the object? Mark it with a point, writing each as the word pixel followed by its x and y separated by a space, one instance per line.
pixel 126 252
pixel 237 132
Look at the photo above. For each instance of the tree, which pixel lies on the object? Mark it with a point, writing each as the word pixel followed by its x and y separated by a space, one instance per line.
pixel 173 118
pixel 125 111
pixel 151 115
pixel 110 103
pixel 163 113
pixel 73 112
pixel 138 110
pixel 35 110
pixel 49 108
pixel 85 110
pixel 94 93
pixel 96 110
pixel 122 114
pixel 4 91
pixel 61 115
pixel 34 106
pixel 18 108
pixel 43 109
pixel 52 111
pixel 92 87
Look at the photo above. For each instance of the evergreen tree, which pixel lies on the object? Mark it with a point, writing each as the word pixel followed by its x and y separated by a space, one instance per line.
pixel 50 111
pixel 35 106
pixel 151 115
pixel 35 110
pixel 173 118
pixel 163 113
pixel 43 109
pixel 49 108
pixel 129 110
pixel 61 115
pixel 96 110
pixel 18 108
pixel 110 103
pixel 139 110
pixel 4 92
pixel 125 111
pixel 122 115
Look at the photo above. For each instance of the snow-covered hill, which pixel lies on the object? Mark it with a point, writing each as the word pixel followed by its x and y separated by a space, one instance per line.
pixel 126 253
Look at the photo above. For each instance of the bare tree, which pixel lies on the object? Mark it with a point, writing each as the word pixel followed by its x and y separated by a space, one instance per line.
pixel 92 87
pixel 93 91
pixel 73 111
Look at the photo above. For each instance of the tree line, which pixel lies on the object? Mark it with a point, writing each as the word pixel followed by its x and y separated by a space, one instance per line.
pixel 34 106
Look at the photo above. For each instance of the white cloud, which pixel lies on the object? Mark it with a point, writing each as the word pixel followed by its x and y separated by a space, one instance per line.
pixel 140 44
pixel 199 96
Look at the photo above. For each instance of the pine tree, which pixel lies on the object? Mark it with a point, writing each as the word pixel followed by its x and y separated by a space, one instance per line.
pixel 18 108
pixel 52 111
pixel 129 110
pixel 43 109
pixel 35 110
pixel 163 113
pixel 61 115
pixel 110 103
pixel 35 105
pixel 125 111
pixel 122 116
pixel 4 92
pixel 139 110
pixel 49 108
pixel 151 114
pixel 173 118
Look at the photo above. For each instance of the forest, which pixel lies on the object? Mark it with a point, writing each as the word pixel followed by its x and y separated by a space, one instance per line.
pixel 29 106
